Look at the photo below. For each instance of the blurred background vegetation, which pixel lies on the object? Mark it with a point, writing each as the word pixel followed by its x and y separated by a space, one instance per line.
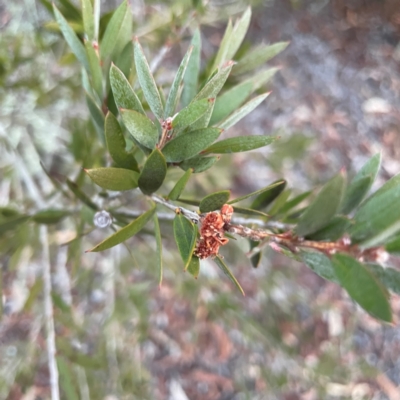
pixel 294 336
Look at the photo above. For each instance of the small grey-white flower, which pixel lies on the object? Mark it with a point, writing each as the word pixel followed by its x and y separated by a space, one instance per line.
pixel 102 219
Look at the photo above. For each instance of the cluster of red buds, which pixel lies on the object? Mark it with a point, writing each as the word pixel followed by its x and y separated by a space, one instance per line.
pixel 212 232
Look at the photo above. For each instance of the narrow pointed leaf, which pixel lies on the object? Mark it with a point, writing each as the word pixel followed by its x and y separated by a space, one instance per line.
pixel 70 37
pixel 218 260
pixel 239 32
pixel 153 172
pixel 320 264
pixel 147 82
pixel 81 195
pixel 95 69
pixel 124 61
pixel 362 286
pixel 334 230
pixel 199 164
pixel 361 184
pixel 12 223
pixel 140 127
pixel 214 201
pixel 294 202
pixel 256 258
pixel 124 96
pixel 191 76
pixel 204 120
pixel 258 192
pixel 249 211
pixel 221 56
pixel 50 216
pixel 279 202
pixel 258 56
pixel 193 266
pixel 388 276
pixel 394 246
pixel 323 208
pixel 116 144
pixel 157 234
pixel 117 179
pixel 241 112
pixel 185 237
pixel 230 101
pixel 88 19
pixel 190 144
pixel 190 114
pixel 239 144
pixel 96 114
pixel 118 31
pixel 125 233
pixel 173 97
pixel 215 84
pixel 67 378
pixel 378 218
pixel 267 196
pixel 180 185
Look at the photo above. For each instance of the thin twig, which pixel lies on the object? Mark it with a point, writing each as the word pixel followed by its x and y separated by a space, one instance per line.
pixel 194 217
pixel 48 313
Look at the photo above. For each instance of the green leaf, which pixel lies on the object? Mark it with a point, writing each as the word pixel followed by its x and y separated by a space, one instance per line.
pixel 190 144
pixel 194 266
pixel 140 127
pixel 279 203
pixel 124 61
pixel 153 172
pixel 95 112
pixel 362 286
pixel 214 201
pixel 80 195
pixel 394 246
pixel 218 260
pixel 333 231
pixel 268 195
pixel 157 234
pixel 256 258
pixel 249 211
pixel 114 178
pixel 378 218
pixel 361 184
pixel 190 114
pixel 223 47
pixel 320 264
pixel 258 56
pixel 118 32
pixel 388 276
pixel 185 234
pixel 258 192
pixel 125 233
pixel 67 378
pixel 238 144
pixel 147 82
pixel 191 76
pixel 241 112
pixel 116 144
pixel 70 37
pixel 323 208
pixel 173 96
pixel 95 69
pixel 88 19
pixel 239 32
pixel 180 185
pixel 50 216
pixel 294 202
pixel 215 84
pixel 230 101
pixel 124 96
pixel 199 164
pixel 12 223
